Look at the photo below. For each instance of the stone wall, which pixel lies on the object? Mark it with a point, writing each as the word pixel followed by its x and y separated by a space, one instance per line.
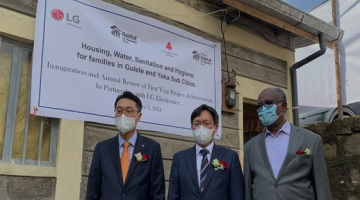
pixel 29 188
pixel 341 140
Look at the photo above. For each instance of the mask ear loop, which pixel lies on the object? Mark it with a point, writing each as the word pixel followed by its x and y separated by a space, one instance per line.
pixel 282 112
pixel 137 115
pixel 213 137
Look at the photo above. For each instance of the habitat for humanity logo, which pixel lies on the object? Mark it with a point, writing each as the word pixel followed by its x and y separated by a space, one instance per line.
pixel 202 58
pixel 196 55
pixel 71 20
pixel 168 52
pixel 126 37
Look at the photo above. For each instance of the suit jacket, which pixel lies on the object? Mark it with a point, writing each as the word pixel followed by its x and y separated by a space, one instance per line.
pixel 221 184
pixel 301 176
pixel 144 181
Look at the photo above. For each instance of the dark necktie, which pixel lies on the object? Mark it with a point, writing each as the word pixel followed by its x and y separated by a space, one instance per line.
pixel 203 168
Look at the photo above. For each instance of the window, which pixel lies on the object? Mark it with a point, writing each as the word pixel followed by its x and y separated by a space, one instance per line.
pixel 24 138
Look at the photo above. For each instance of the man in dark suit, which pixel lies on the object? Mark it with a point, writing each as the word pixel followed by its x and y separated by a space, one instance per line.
pixel 128 166
pixel 206 171
pixel 285 162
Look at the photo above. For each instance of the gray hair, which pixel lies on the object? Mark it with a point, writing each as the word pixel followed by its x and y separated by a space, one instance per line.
pixel 281 94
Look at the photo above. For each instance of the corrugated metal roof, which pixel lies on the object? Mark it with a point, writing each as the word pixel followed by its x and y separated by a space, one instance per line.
pixel 292 16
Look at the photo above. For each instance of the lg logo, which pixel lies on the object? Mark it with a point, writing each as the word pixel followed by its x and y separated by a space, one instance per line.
pixel 58 15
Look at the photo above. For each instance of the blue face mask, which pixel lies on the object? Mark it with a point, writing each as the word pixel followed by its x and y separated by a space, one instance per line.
pixel 268 116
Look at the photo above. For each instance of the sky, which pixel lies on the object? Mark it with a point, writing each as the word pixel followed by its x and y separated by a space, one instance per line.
pixel 304 5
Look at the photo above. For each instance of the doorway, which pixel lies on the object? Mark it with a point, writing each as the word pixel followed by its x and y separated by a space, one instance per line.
pixel 252 126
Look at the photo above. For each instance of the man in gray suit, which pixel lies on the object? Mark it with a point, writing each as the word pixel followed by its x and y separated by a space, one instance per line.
pixel 285 162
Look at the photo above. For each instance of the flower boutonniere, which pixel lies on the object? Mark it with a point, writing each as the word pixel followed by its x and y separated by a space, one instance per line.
pixel 220 165
pixel 141 158
pixel 307 151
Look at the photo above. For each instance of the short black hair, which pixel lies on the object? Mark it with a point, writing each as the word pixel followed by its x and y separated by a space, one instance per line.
pixel 203 107
pixel 131 96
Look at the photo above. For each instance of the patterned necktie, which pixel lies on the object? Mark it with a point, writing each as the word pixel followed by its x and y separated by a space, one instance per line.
pixel 204 168
pixel 125 160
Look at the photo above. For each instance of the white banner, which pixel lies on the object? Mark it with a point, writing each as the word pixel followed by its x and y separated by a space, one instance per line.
pixel 87 52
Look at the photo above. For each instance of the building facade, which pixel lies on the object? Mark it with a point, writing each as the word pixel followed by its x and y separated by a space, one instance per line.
pixel 49 158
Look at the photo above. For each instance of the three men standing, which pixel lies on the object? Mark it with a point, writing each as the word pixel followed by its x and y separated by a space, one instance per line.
pixel 285 162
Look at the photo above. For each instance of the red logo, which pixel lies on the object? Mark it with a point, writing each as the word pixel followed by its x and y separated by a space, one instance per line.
pixel 57 14
pixel 168 46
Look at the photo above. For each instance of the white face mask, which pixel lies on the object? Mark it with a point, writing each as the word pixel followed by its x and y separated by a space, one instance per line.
pixel 125 124
pixel 203 135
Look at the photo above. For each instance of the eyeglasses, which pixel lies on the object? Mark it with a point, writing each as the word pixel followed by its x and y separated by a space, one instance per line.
pixel 128 112
pixel 268 104
pixel 206 124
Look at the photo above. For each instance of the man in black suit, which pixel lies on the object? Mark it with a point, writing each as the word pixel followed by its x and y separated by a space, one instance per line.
pixel 206 171
pixel 128 166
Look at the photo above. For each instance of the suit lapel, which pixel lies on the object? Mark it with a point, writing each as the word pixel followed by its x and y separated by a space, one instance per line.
pixel 115 157
pixel 217 153
pixel 293 143
pixel 140 146
pixel 263 152
pixel 191 163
